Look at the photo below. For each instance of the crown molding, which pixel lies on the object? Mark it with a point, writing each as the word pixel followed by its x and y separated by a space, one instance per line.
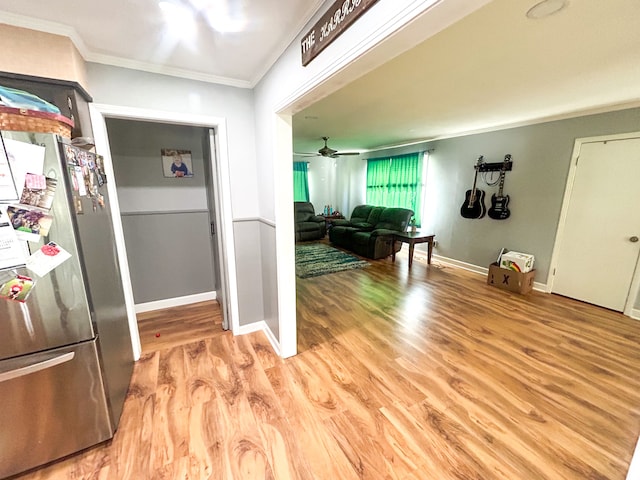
pixel 164 70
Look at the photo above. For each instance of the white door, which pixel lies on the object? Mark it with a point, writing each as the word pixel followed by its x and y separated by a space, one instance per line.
pixel 218 250
pixel 599 246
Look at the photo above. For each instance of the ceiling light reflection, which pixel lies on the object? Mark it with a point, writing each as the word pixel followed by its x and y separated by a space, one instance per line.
pixel 181 26
pixel 225 24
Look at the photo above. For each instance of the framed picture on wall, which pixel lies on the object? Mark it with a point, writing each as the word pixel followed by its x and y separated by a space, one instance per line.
pixel 176 163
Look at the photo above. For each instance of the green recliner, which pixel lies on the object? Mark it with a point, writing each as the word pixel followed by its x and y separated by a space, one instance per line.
pixel 308 225
pixel 372 238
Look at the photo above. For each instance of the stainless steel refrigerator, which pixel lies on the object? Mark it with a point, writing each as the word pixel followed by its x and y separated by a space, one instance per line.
pixel 65 353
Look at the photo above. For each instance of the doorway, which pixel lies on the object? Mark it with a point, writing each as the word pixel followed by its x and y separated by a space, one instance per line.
pixel 217 157
pixel 597 249
pixel 165 215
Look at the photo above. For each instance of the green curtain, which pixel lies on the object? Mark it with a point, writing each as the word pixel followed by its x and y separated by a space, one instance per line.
pixel 300 182
pixel 378 181
pixel 396 182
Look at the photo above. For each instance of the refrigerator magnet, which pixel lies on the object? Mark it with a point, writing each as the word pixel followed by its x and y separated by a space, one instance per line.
pixel 29 223
pixel 39 191
pixel 47 258
pixel 82 188
pixel 17 289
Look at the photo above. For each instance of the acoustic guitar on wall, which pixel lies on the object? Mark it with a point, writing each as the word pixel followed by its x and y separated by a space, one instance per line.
pixel 473 206
pixel 499 209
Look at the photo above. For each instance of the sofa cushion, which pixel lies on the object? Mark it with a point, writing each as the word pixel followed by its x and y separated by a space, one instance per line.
pixel 361 213
pixel 341 235
pixel 394 219
pixel 363 226
pixel 374 215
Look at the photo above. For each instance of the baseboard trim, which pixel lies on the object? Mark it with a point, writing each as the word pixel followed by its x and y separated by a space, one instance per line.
pixel 252 327
pixel 175 302
pixel 458 264
pixel 537 286
pixel 262 326
pixel 635 314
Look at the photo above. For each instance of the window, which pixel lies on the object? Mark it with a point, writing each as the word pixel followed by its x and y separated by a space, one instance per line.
pixel 300 182
pixel 396 182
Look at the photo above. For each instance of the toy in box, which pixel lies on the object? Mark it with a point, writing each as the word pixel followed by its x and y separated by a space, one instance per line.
pixel 517 262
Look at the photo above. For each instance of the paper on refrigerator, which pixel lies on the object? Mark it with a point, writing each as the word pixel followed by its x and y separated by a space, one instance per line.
pixel 12 251
pixel 47 258
pixel 8 189
pixel 24 158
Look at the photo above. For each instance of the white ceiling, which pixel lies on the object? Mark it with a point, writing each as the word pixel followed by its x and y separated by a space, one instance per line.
pixel 493 68
pixel 135 34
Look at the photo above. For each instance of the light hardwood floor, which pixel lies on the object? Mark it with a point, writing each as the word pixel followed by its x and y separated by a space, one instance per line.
pixel 422 374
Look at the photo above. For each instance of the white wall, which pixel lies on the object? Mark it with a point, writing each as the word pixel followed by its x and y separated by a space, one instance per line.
pixel 322 174
pixel 339 182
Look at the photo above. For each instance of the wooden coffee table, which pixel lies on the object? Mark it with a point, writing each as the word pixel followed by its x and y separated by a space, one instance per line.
pixel 412 238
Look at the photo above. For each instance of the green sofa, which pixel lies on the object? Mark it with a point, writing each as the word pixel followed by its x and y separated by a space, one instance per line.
pixel 369 231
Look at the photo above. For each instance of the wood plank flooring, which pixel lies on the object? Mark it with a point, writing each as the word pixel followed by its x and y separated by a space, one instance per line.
pixel 422 374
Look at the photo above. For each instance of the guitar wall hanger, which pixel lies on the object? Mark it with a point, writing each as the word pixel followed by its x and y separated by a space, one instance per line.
pixel 495 167
pixel 473 206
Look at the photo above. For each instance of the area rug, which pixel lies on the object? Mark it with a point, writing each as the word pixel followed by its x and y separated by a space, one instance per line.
pixel 317 259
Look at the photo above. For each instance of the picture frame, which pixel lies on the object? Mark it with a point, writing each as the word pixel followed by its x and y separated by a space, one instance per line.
pixel 176 163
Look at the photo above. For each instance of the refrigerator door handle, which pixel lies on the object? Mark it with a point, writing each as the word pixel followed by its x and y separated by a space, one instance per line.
pixel 36 366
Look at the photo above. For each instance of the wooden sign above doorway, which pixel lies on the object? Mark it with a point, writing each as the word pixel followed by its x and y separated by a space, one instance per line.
pixel 335 21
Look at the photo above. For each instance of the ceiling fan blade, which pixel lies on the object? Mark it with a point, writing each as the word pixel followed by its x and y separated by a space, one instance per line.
pixel 325 151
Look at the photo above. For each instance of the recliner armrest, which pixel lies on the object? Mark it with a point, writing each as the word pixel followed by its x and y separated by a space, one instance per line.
pixel 316 218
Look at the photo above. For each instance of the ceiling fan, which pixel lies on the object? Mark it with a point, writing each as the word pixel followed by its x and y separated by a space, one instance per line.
pixel 327 152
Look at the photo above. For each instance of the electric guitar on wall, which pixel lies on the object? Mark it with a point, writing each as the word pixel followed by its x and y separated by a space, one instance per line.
pixel 499 209
pixel 473 206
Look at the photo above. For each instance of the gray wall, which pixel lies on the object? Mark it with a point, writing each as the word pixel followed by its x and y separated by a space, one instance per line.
pixel 247 235
pixel 165 220
pixel 541 157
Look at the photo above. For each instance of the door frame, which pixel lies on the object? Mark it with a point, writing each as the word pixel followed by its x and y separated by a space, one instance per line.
pixel 219 159
pixel 635 282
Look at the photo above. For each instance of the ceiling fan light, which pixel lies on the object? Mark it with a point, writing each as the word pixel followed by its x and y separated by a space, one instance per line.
pixel 546 8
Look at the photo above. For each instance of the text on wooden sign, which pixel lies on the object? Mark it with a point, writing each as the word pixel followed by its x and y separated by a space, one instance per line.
pixel 335 21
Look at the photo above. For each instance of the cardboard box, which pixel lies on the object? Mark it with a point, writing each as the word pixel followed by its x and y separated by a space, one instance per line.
pixel 516 261
pixel 509 280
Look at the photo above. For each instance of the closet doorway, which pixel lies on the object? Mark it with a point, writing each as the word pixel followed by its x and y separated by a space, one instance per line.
pixel 175 230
